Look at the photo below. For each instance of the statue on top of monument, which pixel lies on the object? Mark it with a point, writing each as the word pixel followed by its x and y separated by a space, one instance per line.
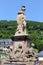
pixel 21 21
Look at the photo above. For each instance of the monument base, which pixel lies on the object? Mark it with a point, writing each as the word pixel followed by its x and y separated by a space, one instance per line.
pixel 20 41
pixel 18 63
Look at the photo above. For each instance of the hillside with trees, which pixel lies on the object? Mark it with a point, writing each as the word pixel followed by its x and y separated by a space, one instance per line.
pixel 34 30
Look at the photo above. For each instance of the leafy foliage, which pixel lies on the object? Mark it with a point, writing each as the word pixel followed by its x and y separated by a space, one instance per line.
pixel 34 29
pixel 35 32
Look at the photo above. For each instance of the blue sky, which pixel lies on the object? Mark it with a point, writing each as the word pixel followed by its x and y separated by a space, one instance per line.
pixel 10 8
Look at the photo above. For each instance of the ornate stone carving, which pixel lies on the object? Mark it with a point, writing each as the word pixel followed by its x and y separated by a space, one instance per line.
pixel 21 21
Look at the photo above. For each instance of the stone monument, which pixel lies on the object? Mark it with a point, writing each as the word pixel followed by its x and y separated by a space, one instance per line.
pixel 21 53
pixel 21 37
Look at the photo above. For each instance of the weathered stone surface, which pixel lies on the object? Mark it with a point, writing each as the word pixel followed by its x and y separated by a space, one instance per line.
pixel 20 54
pixel 40 62
pixel 21 21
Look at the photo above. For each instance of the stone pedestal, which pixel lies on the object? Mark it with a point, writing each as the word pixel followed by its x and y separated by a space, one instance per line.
pixel 21 42
pixel 19 63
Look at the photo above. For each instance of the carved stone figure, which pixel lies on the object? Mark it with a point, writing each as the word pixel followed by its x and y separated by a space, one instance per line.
pixel 21 21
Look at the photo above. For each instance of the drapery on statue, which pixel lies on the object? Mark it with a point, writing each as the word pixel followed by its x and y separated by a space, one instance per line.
pixel 21 21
